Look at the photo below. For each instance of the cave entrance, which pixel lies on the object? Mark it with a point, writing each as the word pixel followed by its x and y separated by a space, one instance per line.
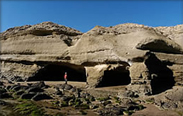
pixel 54 72
pixel 116 77
pixel 162 76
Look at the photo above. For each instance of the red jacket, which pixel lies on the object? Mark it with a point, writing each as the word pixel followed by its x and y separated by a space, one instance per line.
pixel 65 76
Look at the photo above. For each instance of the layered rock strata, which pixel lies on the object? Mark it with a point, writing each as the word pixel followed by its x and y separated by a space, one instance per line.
pixel 128 54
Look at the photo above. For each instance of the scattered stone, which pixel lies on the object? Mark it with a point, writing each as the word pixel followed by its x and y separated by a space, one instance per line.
pixel 58 92
pixel 65 98
pixel 20 92
pixel 16 88
pixel 17 79
pixel 68 87
pixel 63 104
pixel 130 93
pixel 34 89
pixel 13 86
pixel 73 89
pixel 93 106
pixel 65 87
pixel 1 83
pixel 40 84
pixel 2 90
pixel 8 87
pixel 40 96
pixel 27 95
pixel 10 82
pixel 3 103
pixel 112 111
pixel 5 95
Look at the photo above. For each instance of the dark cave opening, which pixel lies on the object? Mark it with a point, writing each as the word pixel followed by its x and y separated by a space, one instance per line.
pixel 115 78
pixel 162 76
pixel 53 72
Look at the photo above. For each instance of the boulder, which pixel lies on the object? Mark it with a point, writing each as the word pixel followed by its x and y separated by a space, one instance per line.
pixel 66 98
pixel 28 95
pixel 40 84
pixel 5 95
pixel 94 74
pixel 20 92
pixel 2 90
pixel 68 87
pixel 34 89
pixel 58 92
pixel 3 103
pixel 16 88
pixel 112 111
pixel 17 79
pixel 40 96
pixel 1 83
pixel 65 86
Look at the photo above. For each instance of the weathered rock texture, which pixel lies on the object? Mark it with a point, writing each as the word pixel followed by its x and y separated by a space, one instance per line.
pixel 148 60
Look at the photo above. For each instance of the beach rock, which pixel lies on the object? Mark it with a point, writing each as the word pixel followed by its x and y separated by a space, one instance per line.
pixel 66 98
pixel 40 96
pixel 1 83
pixel 3 103
pixel 40 84
pixel 5 95
pixel 20 92
pixel 68 87
pixel 17 79
pixel 65 86
pixel 34 89
pixel 2 90
pixel 28 95
pixel 58 92
pixel 112 111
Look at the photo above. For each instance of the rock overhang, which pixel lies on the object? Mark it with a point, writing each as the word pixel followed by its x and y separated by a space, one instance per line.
pixel 101 46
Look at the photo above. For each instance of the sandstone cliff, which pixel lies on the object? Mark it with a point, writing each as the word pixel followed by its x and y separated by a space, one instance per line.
pixel 135 55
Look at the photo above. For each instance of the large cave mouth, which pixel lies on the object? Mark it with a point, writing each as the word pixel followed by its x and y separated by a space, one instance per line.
pixel 115 78
pixel 53 72
pixel 162 76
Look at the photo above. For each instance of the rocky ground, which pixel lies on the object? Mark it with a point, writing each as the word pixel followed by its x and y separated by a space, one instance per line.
pixel 59 99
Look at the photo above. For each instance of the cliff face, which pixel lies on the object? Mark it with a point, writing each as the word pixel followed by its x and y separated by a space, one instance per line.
pixel 46 50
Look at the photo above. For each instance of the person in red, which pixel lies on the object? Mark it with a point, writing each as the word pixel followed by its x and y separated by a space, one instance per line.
pixel 65 77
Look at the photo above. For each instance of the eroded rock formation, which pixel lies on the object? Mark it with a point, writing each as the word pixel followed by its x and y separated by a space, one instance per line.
pixel 148 60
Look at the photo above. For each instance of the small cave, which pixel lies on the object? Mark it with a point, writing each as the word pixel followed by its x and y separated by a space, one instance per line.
pixel 161 75
pixel 54 72
pixel 115 77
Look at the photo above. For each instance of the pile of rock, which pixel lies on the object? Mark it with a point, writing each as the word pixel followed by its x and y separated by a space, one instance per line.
pixel 31 91
pixel 67 95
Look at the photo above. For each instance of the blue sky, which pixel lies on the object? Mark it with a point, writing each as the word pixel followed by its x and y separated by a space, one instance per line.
pixel 83 15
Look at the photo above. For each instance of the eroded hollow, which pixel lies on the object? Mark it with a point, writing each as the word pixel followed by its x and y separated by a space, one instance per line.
pixel 54 72
pixel 116 77
pixel 162 76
